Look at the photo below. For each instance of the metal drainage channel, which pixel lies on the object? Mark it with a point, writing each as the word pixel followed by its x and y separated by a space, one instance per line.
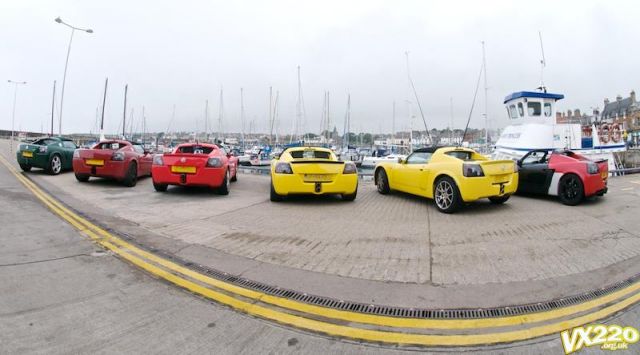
pixel 403 312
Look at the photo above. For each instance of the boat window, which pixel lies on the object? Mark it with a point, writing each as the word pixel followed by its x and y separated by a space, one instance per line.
pixel 520 109
pixel 547 109
pixel 461 155
pixel 534 108
pixel 310 154
pixel 419 158
pixel 195 149
pixel 512 111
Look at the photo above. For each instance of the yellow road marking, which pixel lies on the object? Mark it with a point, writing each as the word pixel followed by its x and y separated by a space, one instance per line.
pixel 108 241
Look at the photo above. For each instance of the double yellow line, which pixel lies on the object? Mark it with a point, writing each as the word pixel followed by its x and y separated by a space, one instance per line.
pixel 200 284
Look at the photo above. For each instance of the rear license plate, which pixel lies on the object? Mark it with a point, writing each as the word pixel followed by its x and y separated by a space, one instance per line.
pixel 317 177
pixel 183 169
pixel 95 162
pixel 27 154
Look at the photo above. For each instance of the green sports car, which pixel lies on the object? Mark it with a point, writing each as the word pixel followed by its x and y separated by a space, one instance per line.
pixel 53 154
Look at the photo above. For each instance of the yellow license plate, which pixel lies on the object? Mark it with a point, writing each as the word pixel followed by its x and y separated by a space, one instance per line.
pixel 183 169
pixel 95 162
pixel 27 154
pixel 317 177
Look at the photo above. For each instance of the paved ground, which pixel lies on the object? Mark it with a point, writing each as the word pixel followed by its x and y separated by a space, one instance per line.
pixel 63 294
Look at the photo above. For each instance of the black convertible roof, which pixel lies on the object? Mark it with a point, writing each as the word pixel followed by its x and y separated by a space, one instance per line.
pixel 431 149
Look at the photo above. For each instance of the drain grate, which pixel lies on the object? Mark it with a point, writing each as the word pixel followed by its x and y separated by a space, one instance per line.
pixel 403 312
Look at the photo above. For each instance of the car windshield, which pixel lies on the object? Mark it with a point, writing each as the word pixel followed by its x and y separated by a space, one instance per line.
pixel 45 141
pixel 110 145
pixel 195 149
pixel 462 155
pixel 310 154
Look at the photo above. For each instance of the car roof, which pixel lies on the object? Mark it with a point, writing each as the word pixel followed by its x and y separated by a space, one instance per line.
pixel 189 144
pixel 117 141
pixel 433 149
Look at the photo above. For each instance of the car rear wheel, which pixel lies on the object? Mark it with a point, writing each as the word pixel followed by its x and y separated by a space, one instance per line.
pixel 160 187
pixel 224 188
pixel 382 181
pixel 131 179
pixel 498 200
pixel 234 178
pixel 82 178
pixel 571 190
pixel 55 165
pixel 446 195
pixel 25 167
pixel 274 197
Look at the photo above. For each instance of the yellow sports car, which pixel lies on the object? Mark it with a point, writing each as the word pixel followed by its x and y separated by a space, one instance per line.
pixel 312 170
pixel 450 176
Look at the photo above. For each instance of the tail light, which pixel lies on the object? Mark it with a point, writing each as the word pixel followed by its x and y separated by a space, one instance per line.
pixel 349 168
pixel 117 156
pixel 472 170
pixel 283 168
pixel 592 168
pixel 42 149
pixel 76 153
pixel 157 159
pixel 214 162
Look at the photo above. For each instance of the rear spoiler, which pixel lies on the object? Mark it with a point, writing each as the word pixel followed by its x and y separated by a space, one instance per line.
pixel 316 162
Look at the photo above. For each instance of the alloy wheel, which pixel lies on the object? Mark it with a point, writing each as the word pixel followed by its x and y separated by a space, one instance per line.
pixel 444 194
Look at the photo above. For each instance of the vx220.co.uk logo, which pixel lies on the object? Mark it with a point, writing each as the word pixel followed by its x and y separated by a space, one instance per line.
pixel 608 337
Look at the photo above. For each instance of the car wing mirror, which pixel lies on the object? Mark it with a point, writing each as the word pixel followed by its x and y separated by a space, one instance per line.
pixel 519 162
pixel 401 160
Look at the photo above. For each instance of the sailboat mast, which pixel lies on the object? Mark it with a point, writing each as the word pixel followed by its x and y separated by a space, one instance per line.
pixel 393 123
pixel 104 101
pixel 298 108
pixel 328 118
pixel 221 115
pixel 486 89
pixel 53 103
pixel 270 114
pixel 451 117
pixel 348 118
pixel 124 112
pixel 275 116
pixel 242 116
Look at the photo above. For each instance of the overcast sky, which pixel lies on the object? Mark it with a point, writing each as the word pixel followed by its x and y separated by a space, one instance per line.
pixel 183 52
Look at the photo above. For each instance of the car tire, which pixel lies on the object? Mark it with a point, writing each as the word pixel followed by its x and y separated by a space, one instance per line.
pixel 25 167
pixel 55 164
pixel 498 200
pixel 234 178
pixel 160 187
pixel 571 190
pixel 273 196
pixel 131 178
pixel 382 181
pixel 82 178
pixel 224 188
pixel 350 197
pixel 446 195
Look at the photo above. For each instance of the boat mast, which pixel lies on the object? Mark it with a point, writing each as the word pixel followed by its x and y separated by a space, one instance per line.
pixel 275 115
pixel 124 112
pixel 270 114
pixel 543 64
pixel 347 124
pixel 486 117
pixel 206 120
pixel 393 124
pixel 328 118
pixel 104 100
pixel 451 124
pixel 221 115
pixel 242 116
pixel 415 93
pixel 53 103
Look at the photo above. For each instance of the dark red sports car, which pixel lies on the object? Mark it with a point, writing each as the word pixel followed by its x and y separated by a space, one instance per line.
pixel 114 159
pixel 195 164
pixel 565 174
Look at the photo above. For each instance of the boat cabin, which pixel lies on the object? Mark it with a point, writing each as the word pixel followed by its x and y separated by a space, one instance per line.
pixel 532 106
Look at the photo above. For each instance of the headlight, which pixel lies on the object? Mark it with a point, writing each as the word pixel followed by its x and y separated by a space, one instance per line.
pixel 157 159
pixel 472 170
pixel 118 156
pixel 42 149
pixel 214 162
pixel 349 168
pixel 76 153
pixel 283 168
pixel 592 168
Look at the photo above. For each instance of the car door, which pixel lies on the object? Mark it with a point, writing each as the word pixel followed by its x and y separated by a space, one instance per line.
pixel 144 160
pixel 534 173
pixel 411 173
pixel 68 147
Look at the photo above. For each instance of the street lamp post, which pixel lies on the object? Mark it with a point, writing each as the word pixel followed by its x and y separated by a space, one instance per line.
pixel 13 115
pixel 66 64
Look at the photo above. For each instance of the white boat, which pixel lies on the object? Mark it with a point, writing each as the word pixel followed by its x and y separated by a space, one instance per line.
pixel 370 162
pixel 533 126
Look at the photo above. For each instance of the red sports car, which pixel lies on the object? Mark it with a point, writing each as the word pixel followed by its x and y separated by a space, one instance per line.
pixel 565 174
pixel 114 159
pixel 195 164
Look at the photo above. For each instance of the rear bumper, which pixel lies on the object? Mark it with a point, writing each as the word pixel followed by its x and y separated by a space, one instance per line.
pixel 475 188
pixel 38 160
pixel 293 184
pixel 594 185
pixel 111 169
pixel 210 177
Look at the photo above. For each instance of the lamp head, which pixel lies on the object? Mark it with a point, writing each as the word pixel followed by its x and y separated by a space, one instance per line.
pixel 58 20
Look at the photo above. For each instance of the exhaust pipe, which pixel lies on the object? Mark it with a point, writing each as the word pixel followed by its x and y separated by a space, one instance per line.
pixel 318 187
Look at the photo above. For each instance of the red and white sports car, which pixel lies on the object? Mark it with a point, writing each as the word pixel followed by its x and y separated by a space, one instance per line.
pixel 114 159
pixel 565 174
pixel 195 164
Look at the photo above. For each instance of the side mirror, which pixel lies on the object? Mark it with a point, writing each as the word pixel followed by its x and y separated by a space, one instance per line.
pixel 401 160
pixel 519 162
